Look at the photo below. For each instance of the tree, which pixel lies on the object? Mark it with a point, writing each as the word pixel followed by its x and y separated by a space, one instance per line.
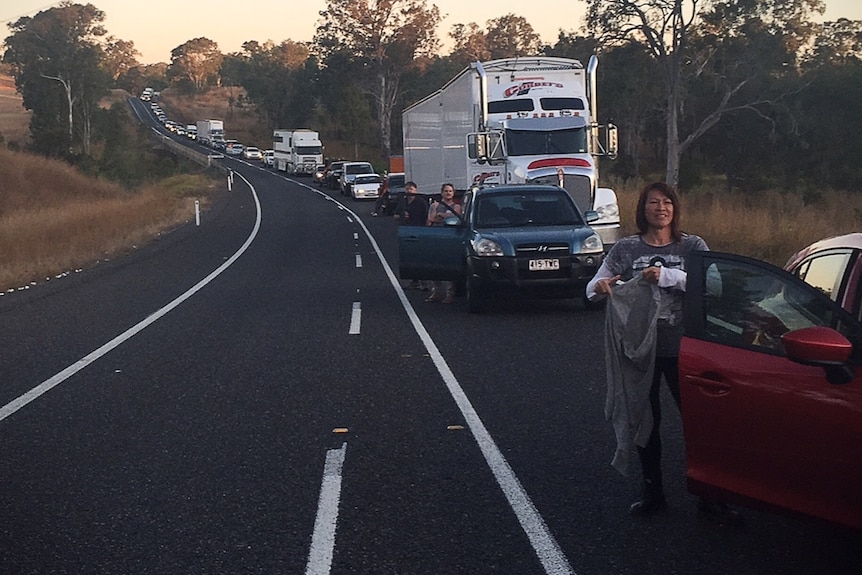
pixel 668 30
pixel 120 56
pixel 511 36
pixel 197 61
pixel 56 61
pixel 387 37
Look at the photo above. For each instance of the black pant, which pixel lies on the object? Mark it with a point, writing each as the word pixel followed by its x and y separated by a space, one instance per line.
pixel 650 455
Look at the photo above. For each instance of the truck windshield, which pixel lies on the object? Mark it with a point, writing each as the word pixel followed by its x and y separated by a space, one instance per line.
pixel 539 143
pixel 309 150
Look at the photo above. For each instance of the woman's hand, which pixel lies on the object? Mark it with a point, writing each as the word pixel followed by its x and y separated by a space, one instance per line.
pixel 603 287
pixel 652 274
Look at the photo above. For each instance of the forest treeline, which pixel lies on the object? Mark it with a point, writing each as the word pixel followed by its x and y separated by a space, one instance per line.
pixel 758 93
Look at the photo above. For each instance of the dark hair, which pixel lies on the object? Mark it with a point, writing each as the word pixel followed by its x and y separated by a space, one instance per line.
pixel 410 184
pixel 444 186
pixel 667 191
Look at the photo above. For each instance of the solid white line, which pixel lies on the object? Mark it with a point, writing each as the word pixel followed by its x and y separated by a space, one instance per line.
pixel 544 544
pixel 358 260
pixel 323 538
pixel 355 318
pixel 62 376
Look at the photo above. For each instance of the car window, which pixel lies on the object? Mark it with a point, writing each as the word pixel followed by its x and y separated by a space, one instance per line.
pixel 533 209
pixel 754 306
pixel 825 272
pixel 357 168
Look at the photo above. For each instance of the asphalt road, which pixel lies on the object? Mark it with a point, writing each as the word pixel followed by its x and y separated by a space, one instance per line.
pixel 257 395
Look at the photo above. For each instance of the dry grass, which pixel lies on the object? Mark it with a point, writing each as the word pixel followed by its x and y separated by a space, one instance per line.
pixel 769 226
pixel 54 219
pixel 14 119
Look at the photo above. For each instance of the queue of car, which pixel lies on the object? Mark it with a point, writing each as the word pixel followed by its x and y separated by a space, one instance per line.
pixel 770 363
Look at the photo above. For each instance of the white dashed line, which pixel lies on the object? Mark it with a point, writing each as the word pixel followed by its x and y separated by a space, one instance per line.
pixel 355 318
pixel 323 539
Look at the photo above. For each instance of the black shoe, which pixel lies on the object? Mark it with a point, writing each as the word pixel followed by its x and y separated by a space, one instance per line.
pixel 719 513
pixel 648 506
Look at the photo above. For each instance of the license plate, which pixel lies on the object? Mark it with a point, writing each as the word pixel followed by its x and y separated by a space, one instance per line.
pixel 543 265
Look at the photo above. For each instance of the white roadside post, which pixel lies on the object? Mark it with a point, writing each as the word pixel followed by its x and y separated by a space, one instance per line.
pixel 197 212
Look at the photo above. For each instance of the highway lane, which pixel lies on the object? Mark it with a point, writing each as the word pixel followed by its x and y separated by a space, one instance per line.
pixel 198 446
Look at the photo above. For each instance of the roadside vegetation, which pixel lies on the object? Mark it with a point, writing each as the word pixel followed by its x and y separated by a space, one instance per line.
pixel 55 219
pixel 762 170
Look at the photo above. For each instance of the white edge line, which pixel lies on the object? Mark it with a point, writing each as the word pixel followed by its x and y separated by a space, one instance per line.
pixel 62 376
pixel 323 537
pixel 544 544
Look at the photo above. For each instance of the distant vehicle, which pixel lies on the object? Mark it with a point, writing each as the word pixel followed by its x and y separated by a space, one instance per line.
pixel 268 158
pixel 251 153
pixel 526 238
pixel 319 174
pixel 210 131
pixel 297 152
pixel 349 171
pixel 366 186
pixel 770 372
pixel 192 131
pixel 333 176
pixel 233 148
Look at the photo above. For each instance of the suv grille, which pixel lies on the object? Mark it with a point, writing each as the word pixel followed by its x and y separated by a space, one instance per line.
pixel 540 248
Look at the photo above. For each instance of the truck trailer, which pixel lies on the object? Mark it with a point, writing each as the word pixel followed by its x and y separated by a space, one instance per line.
pixel 297 151
pixel 210 131
pixel 515 120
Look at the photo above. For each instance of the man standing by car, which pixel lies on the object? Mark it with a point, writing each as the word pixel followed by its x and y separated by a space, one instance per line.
pixel 412 210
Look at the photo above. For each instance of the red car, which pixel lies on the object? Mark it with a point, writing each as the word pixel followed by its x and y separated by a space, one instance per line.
pixel 771 382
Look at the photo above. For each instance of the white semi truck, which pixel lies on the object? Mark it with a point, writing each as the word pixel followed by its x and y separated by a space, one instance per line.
pixel 515 120
pixel 210 131
pixel 297 151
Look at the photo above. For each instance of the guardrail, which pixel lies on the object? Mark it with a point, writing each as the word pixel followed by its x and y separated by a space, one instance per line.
pixel 202 159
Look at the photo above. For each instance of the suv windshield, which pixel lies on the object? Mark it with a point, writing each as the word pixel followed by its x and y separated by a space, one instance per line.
pixel 518 209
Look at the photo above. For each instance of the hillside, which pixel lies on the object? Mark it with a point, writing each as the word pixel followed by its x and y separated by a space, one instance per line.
pixel 14 119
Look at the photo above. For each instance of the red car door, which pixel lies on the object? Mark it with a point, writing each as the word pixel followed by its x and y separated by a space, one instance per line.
pixel 771 415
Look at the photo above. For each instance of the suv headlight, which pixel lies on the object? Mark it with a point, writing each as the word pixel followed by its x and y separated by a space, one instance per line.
pixel 592 244
pixel 486 247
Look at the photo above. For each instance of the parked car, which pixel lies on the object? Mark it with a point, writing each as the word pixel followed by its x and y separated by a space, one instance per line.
pixel 349 171
pixel 834 267
pixel 251 153
pixel 530 238
pixel 268 158
pixel 366 186
pixel 771 382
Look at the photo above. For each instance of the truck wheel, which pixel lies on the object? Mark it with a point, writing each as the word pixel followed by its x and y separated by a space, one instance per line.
pixel 477 296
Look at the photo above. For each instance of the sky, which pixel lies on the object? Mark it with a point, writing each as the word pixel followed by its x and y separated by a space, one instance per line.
pixel 158 26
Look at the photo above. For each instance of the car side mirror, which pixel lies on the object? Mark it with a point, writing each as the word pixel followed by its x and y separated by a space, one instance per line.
pixel 591 216
pixel 823 347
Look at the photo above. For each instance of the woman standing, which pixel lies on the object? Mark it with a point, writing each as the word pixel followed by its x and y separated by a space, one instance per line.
pixel 438 212
pixel 656 255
